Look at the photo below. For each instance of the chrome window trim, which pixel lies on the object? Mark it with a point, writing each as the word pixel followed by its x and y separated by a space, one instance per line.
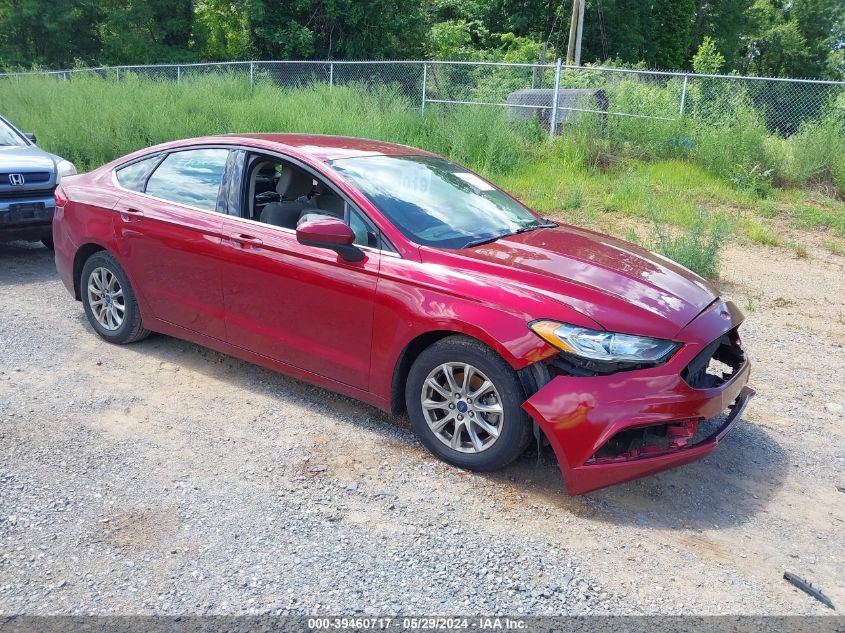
pixel 225 215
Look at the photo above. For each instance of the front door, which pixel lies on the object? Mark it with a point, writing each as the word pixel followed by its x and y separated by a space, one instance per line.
pixel 300 305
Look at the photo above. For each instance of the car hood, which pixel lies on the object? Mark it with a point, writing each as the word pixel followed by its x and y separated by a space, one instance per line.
pixel 31 158
pixel 619 285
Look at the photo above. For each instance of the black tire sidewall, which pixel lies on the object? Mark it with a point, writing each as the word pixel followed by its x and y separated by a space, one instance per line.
pixel 131 318
pixel 515 433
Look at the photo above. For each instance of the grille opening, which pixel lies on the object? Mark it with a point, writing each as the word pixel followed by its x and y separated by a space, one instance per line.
pixel 29 177
pixel 717 363
pixel 25 194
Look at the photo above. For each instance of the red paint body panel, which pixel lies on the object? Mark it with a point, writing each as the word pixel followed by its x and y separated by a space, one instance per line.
pixel 300 305
pixel 579 414
pixel 622 286
pixel 253 291
pixel 173 255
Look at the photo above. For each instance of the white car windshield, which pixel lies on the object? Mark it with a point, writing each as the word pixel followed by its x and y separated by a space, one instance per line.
pixel 434 202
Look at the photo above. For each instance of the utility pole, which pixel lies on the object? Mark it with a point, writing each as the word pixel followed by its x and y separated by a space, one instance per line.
pixel 581 11
pixel 576 29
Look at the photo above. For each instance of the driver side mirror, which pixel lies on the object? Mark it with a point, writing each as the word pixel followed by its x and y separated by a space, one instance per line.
pixel 30 137
pixel 329 233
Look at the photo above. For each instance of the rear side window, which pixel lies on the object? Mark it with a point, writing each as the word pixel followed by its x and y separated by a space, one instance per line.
pixel 190 177
pixel 134 176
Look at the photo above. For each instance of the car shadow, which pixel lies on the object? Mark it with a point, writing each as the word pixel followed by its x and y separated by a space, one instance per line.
pixel 730 486
pixel 25 262
pixel 738 480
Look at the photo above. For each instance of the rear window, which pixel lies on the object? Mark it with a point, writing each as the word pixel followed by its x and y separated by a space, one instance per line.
pixel 134 176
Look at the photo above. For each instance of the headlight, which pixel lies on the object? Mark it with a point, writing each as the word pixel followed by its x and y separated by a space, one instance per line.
pixel 64 168
pixel 603 346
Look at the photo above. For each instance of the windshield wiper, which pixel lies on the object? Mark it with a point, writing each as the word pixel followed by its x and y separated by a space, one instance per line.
pixel 524 229
pixel 539 225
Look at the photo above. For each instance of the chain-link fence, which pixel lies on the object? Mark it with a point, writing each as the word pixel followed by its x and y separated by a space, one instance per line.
pixel 557 94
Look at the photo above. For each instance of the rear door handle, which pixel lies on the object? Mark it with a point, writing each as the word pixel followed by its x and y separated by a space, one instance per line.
pixel 131 215
pixel 246 241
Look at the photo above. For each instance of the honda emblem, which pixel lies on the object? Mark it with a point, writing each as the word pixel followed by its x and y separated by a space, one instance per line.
pixel 16 179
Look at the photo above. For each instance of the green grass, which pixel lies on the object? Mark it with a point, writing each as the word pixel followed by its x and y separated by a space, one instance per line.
pixel 90 121
pixel 759 233
pixel 698 249
pixel 728 178
pixel 836 248
pixel 817 217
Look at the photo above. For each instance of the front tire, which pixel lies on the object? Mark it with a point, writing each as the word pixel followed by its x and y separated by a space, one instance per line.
pixel 109 300
pixel 464 402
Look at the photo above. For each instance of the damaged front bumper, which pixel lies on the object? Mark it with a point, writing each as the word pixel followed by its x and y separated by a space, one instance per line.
pixel 614 428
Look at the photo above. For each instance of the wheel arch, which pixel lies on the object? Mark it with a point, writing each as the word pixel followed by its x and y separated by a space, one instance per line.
pixel 423 341
pixel 406 359
pixel 80 257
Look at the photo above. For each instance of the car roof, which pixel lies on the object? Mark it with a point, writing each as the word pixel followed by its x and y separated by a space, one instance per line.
pixel 326 148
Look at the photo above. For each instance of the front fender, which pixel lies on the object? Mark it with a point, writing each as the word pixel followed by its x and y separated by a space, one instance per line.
pixel 414 299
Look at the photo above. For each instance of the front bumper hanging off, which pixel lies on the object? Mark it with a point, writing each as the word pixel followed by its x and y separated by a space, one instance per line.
pixel 583 417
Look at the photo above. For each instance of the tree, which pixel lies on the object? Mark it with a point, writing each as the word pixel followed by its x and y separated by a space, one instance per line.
pixel 146 31
pixel 350 29
pixel 221 30
pixel 724 21
pixel 671 33
pixel 708 60
pixel 774 45
pixel 822 23
pixel 53 33
pixel 799 38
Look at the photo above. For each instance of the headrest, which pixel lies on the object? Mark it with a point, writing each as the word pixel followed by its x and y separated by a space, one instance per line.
pixel 294 183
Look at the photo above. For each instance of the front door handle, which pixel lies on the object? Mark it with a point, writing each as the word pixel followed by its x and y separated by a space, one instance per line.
pixel 131 215
pixel 245 241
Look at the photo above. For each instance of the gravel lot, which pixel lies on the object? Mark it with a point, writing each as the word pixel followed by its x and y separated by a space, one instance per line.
pixel 165 478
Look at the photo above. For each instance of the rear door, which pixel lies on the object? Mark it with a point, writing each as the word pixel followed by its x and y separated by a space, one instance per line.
pixel 169 228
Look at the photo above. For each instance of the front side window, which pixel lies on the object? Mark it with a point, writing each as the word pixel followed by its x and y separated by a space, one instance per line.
pixel 365 233
pixel 190 177
pixel 436 203
pixel 134 175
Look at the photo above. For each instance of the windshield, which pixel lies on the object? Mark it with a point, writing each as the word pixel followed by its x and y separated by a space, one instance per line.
pixel 8 136
pixel 436 203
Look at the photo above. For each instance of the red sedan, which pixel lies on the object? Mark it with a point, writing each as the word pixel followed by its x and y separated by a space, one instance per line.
pixel 400 278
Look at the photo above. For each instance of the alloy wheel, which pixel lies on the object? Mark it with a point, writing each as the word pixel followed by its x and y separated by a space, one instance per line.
pixel 105 297
pixel 462 407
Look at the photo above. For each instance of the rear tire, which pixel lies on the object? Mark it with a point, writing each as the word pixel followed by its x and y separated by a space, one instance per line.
pixel 479 423
pixel 109 300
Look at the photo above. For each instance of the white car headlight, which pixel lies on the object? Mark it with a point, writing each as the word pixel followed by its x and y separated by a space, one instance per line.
pixel 603 346
pixel 64 168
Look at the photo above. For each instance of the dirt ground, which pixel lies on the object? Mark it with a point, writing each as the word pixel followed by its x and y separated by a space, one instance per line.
pixel 156 442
